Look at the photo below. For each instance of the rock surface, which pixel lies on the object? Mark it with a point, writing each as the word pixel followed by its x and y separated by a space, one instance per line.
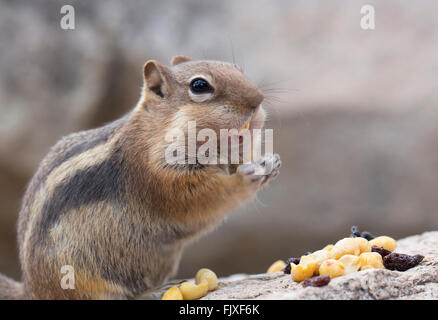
pixel 420 282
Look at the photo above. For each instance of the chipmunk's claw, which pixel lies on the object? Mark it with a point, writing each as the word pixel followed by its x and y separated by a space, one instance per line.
pixel 261 171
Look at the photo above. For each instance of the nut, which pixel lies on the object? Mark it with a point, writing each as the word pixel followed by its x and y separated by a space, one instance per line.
pixel 364 244
pixel 308 258
pixel 353 246
pixel 317 257
pixel 332 267
pixel 371 260
pixel 302 271
pixel 350 262
pixel 277 266
pixel 386 242
pixel 191 291
pixel 345 246
pixel 209 276
pixel 172 293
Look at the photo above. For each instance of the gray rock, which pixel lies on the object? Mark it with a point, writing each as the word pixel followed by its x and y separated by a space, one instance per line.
pixel 420 282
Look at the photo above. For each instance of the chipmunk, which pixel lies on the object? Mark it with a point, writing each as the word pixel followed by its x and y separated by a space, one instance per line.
pixel 105 202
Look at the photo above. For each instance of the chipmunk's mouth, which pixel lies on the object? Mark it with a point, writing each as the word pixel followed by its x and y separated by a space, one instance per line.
pixel 255 121
pixel 245 127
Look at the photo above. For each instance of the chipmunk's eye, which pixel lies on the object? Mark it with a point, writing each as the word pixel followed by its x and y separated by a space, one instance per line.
pixel 199 86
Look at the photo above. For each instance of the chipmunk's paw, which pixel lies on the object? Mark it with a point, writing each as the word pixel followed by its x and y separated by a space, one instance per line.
pixel 261 171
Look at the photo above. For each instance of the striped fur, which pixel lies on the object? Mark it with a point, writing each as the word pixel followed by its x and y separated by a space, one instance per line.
pixel 105 202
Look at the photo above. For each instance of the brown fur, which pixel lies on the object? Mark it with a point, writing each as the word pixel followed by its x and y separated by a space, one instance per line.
pixel 105 201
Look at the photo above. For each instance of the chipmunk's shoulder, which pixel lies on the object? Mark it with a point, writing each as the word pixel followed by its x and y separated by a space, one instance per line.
pixel 79 142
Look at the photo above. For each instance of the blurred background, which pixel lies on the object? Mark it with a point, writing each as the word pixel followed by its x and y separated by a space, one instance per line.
pixel 354 111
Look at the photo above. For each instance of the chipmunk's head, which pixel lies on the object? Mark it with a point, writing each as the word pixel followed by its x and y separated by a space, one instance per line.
pixel 214 94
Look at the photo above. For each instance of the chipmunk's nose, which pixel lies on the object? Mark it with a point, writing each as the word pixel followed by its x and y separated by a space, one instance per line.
pixel 254 98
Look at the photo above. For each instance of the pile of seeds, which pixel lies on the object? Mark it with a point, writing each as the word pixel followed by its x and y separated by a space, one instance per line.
pixel 361 251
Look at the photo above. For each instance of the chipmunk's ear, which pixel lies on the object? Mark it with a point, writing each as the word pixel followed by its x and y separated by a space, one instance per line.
pixel 156 78
pixel 179 59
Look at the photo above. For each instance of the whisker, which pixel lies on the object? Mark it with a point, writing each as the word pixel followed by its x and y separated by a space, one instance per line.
pixel 273 83
pixel 279 90
pixel 271 106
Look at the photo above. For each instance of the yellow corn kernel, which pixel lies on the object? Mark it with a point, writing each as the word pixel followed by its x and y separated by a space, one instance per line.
pixel 192 291
pixel 308 258
pixel 277 266
pixel 364 244
pixel 172 294
pixel 386 242
pixel 371 260
pixel 350 262
pixel 317 257
pixel 328 247
pixel 332 267
pixel 299 272
pixel 321 255
pixel 209 276
pixel 345 246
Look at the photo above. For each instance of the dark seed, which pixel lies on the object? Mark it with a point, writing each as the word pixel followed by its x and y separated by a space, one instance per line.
pixel 317 281
pixel 364 234
pixel 367 235
pixel 286 269
pixel 355 232
pixel 380 250
pixel 401 262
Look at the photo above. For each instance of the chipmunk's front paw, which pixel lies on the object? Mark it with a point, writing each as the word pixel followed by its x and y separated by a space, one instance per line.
pixel 261 171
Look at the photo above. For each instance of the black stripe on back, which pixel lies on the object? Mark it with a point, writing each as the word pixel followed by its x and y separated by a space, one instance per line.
pixel 102 182
pixel 80 142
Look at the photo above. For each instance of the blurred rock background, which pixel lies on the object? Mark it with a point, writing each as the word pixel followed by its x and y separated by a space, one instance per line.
pixel 354 112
